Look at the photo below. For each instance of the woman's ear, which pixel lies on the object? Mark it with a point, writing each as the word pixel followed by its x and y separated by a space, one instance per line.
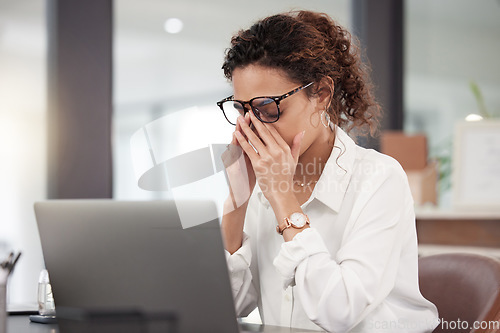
pixel 325 92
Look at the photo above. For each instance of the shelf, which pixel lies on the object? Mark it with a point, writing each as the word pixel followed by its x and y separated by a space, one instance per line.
pixel 458 227
pixel 430 249
pixel 430 212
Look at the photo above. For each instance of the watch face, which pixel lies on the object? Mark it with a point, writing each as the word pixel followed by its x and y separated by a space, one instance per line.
pixel 298 220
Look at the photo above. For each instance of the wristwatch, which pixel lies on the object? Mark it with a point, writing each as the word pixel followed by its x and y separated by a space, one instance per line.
pixel 296 220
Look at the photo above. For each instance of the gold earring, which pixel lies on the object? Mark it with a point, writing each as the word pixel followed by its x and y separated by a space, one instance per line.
pixel 325 120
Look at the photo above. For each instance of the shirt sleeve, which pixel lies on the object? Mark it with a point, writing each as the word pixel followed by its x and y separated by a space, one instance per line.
pixel 244 292
pixel 338 290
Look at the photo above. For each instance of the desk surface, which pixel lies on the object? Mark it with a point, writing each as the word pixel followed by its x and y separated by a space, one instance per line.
pixel 432 213
pixel 22 324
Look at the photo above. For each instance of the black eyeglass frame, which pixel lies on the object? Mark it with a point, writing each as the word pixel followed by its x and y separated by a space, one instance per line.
pixel 276 99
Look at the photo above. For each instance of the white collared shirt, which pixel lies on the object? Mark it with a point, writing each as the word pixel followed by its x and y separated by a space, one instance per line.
pixel 354 269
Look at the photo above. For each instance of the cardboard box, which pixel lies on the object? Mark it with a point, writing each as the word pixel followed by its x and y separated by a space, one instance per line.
pixel 423 184
pixel 409 150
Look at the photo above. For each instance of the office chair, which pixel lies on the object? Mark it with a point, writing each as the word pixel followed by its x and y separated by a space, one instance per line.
pixel 463 287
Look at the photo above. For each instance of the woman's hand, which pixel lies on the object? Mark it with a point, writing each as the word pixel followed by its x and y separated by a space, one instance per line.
pixel 274 162
pixel 241 177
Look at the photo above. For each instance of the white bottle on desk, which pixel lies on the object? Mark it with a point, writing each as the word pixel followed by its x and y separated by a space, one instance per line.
pixel 3 300
pixel 46 305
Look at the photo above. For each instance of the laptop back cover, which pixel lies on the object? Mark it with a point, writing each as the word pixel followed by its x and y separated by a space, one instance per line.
pixel 117 257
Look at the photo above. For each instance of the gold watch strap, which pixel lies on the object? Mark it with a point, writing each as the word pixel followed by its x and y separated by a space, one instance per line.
pixel 287 224
pixel 283 226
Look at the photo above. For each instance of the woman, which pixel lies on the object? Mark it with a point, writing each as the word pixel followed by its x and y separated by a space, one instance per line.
pixel 327 240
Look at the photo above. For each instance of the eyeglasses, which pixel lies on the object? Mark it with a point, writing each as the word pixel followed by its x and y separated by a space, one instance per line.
pixel 266 108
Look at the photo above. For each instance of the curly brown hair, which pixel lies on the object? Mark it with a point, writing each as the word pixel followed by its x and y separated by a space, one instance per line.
pixel 311 47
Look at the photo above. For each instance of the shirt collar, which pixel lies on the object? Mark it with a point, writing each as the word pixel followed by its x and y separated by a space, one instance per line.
pixel 333 183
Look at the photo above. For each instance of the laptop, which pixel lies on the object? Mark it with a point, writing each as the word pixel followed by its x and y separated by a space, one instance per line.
pixel 132 264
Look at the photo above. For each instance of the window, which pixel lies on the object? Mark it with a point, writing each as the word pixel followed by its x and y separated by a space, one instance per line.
pixel 23 42
pixel 449 45
pixel 159 74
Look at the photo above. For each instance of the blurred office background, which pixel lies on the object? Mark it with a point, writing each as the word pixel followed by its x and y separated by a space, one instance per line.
pixel 447 45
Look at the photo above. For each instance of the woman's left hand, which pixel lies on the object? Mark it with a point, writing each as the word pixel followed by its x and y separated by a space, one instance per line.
pixel 274 162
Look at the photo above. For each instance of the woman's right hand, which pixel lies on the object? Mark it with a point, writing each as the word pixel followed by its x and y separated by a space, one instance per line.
pixel 240 175
pixel 241 180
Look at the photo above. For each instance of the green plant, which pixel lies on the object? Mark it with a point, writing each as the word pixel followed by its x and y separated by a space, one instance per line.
pixel 443 155
pixel 479 99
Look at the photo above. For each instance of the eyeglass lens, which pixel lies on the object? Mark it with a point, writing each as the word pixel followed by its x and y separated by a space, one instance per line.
pixel 265 109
